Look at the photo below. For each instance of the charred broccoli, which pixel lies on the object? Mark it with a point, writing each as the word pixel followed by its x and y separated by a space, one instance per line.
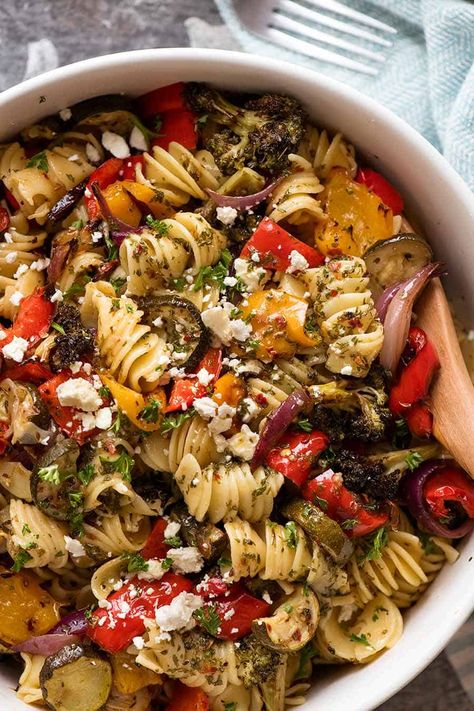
pixel 257 663
pixel 357 409
pixel 260 134
pixel 73 341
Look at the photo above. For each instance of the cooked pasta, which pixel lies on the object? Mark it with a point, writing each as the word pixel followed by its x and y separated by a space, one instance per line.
pixel 206 469
pixel 348 320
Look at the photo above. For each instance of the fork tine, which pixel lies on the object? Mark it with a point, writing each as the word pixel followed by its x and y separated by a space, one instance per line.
pixel 282 22
pixel 340 9
pixel 310 50
pixel 346 27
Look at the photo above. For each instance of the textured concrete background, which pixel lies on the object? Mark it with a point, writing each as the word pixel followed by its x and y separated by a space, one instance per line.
pixel 37 35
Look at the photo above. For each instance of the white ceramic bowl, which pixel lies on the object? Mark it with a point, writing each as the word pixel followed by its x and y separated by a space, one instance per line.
pixel 435 194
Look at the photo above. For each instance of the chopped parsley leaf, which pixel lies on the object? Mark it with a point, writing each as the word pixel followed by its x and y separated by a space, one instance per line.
pixel 291 534
pixel 413 460
pixel 150 412
pixel 171 422
pixel 158 225
pixel 20 560
pixel 40 161
pixel 174 542
pixel 360 639
pixel 208 618
pixel 375 545
pixel 136 563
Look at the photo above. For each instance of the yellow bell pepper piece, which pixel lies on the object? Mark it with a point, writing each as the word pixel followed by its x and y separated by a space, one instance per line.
pixel 149 197
pixel 121 204
pixel 357 217
pixel 278 321
pixel 133 404
pixel 229 389
pixel 129 677
pixel 26 609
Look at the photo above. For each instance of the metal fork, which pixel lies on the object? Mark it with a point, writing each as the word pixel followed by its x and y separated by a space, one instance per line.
pixel 293 25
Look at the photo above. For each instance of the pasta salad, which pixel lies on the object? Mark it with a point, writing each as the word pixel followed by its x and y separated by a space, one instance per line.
pixel 217 469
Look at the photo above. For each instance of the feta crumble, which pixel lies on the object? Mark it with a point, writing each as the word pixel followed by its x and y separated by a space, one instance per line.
pixel 103 418
pixel 178 615
pixel 57 296
pixel 79 393
pixel 172 529
pixel 16 297
pixel 186 560
pixel 115 144
pixel 16 349
pixel 243 443
pixel 75 548
pixel 137 140
pixel 65 114
pixel 226 215
pixel 298 263
pixel 92 153
pixel 253 277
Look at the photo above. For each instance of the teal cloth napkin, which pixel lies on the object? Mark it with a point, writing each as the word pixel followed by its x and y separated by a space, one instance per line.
pixel 428 78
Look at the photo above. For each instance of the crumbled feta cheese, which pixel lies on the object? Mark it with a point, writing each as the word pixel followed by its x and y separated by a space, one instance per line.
pixel 229 614
pixel 204 377
pixel 178 615
pixel 230 281
pixel 253 277
pixel 16 349
pixel 78 392
pixel 104 604
pixel 186 560
pixel 121 488
pixel 163 637
pixel 266 597
pixel 226 215
pixel 298 263
pixel 249 408
pixel 76 366
pixel 137 140
pixel 243 443
pixel 96 236
pixel 115 144
pixel 87 420
pixel 57 296
pixel 171 529
pixel 103 418
pixel 241 331
pixel 155 571
pixel 73 158
pixel 75 548
pixel 157 322
pixel 40 264
pixel 11 257
pixel 139 642
pixel 16 297
pixel 92 153
pixel 8 238
pixel 346 370
pixel 65 114
pixel 206 407
pixel 22 269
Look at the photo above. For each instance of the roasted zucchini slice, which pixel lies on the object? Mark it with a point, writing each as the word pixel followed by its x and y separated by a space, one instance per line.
pixel 292 625
pixel 322 529
pixel 396 259
pixel 182 325
pixel 111 112
pixel 209 539
pixel 50 490
pixel 77 678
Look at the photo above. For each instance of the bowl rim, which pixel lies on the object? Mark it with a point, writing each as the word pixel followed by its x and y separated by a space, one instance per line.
pixel 351 96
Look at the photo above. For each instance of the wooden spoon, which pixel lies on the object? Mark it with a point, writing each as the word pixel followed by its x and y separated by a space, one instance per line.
pixel 452 392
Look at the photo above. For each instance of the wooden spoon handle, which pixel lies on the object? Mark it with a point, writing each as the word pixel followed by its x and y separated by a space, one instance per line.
pixel 452 393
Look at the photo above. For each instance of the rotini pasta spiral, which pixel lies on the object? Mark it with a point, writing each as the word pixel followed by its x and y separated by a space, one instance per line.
pixel 166 453
pixel 76 267
pixel 325 153
pixel 227 490
pixel 177 174
pixel 152 261
pixel 16 276
pixel 348 319
pixel 134 355
pixel 112 535
pixel 41 537
pixel 29 689
pixel 293 199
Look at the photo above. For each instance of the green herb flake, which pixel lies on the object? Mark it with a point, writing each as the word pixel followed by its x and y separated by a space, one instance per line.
pixel 413 460
pixel 288 608
pixel 25 530
pixel 86 474
pixel 174 542
pixel 123 464
pixel 322 503
pixel 172 422
pixel 75 513
pixel 428 545
pixel 40 161
pixel 216 274
pixel 151 411
pixel 375 545
pixel 224 562
pixel 20 560
pixel 58 327
pixel 118 283
pixel 208 618
pixel 349 524
pixel 291 534
pixel 136 563
pixel 51 474
pixel 305 667
pixel 166 563
pixel 305 425
pixel 112 249
pixel 77 224
pixel 360 639
pixel 162 228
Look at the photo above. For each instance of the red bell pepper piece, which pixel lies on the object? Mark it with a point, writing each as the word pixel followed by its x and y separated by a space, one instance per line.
pixel 211 588
pixel 134 602
pixel 104 175
pixel 4 219
pixel 33 319
pixel 329 493
pixel 186 390
pixel 29 373
pixel 415 378
pixel 380 186
pixel 449 484
pixel 166 98
pixel 130 166
pixel 11 200
pixel 177 125
pixel 295 453
pixel 155 546
pixel 419 419
pixel 64 416
pixel 188 698
pixel 236 610
pixel 274 245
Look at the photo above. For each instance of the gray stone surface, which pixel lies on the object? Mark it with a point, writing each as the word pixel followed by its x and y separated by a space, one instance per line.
pixel 41 34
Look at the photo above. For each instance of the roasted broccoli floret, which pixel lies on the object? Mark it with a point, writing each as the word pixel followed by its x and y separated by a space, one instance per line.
pixel 358 410
pixel 257 663
pixel 72 342
pixel 260 134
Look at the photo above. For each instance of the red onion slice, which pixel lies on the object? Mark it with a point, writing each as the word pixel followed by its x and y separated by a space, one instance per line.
pixel 412 492
pixel 398 315
pixel 74 623
pixel 278 422
pixel 385 299
pixel 243 202
pixel 46 644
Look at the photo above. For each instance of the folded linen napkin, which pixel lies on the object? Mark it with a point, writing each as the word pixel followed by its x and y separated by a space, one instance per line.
pixel 428 78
